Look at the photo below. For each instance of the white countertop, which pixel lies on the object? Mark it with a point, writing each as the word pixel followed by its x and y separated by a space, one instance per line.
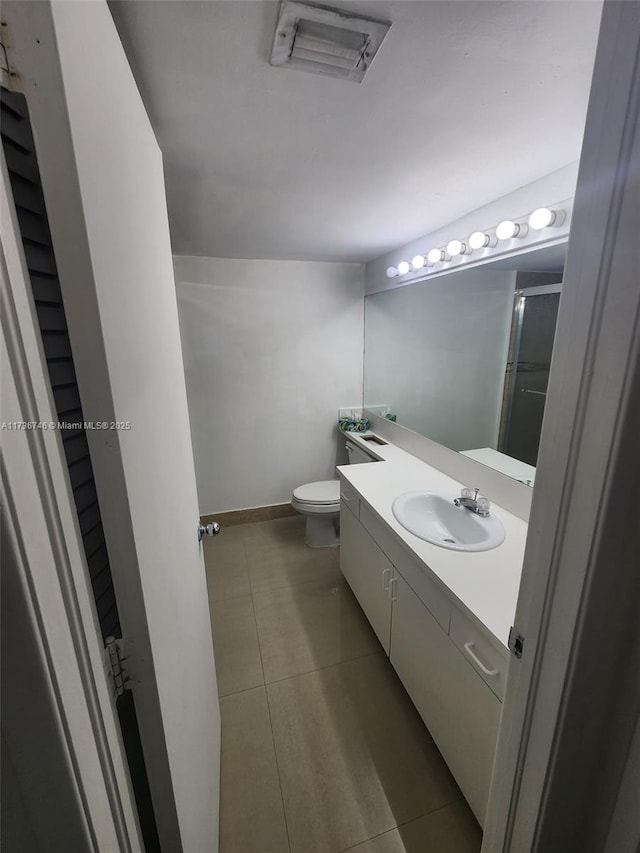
pixel 485 583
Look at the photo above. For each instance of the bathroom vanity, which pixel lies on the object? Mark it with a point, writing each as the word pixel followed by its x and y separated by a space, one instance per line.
pixel 443 616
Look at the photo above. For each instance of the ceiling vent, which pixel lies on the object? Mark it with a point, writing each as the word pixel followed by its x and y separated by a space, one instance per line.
pixel 326 41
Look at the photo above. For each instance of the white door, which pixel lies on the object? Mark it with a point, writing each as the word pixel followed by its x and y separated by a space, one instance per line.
pixel 103 185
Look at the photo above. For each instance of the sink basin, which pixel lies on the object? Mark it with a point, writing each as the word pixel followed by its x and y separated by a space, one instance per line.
pixel 433 517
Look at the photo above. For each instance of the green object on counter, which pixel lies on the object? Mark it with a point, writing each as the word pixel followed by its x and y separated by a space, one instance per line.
pixel 353 424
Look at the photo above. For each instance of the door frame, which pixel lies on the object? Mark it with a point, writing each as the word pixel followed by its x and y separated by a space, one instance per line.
pixel 565 748
pixel 49 582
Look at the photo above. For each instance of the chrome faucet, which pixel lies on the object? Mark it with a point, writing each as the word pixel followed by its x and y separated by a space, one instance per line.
pixel 470 500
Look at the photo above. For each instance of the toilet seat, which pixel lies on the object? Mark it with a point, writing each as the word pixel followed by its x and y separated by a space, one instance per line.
pixel 320 498
pixel 321 493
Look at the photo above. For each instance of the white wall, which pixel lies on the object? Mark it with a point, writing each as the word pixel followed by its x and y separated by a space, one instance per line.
pixel 271 350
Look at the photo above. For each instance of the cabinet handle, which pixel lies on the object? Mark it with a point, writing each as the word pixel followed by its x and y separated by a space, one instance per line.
pixel 393 583
pixel 385 583
pixel 477 661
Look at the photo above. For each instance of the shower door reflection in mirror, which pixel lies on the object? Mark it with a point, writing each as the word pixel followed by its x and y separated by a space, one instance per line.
pixel 533 332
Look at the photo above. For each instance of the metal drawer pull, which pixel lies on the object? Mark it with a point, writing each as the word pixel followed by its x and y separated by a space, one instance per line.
pixel 385 580
pixel 477 661
pixel 393 584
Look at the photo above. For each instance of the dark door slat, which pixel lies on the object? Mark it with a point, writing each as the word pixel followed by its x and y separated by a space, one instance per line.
pixel 26 195
pixel 33 226
pixel 62 372
pixel 51 318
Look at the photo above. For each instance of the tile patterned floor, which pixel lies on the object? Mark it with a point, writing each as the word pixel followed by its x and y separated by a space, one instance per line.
pixel 322 750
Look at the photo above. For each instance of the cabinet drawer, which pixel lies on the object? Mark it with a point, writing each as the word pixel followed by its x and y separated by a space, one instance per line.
pixel 430 594
pixel 489 662
pixel 348 498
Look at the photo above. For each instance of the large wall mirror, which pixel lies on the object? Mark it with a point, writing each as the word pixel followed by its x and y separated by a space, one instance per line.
pixel 464 358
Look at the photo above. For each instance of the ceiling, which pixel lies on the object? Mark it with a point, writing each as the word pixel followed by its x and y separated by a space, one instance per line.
pixel 464 102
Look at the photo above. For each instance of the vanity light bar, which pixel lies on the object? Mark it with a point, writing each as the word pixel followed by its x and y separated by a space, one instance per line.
pixel 508 229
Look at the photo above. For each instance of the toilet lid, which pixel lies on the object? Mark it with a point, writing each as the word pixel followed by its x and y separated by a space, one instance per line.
pixel 322 492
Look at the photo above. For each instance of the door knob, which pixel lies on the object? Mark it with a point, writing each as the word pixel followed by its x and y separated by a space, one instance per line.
pixel 211 529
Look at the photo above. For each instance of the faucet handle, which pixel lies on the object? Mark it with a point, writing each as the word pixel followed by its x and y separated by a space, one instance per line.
pixel 468 492
pixel 483 505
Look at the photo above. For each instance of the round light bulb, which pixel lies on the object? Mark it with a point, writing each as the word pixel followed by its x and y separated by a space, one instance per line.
pixel 435 255
pixel 392 272
pixel 479 240
pixel 542 218
pixel 418 262
pixel 455 247
pixel 403 267
pixel 507 229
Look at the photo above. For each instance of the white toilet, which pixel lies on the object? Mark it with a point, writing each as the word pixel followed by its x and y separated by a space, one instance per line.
pixel 320 502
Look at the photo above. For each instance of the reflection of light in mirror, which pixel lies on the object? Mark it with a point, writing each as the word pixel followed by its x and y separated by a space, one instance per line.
pixel 392 272
pixel 543 217
pixel 403 267
pixel 418 262
pixel 435 255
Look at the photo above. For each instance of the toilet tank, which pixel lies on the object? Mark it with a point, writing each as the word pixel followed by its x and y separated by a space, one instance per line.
pixel 357 454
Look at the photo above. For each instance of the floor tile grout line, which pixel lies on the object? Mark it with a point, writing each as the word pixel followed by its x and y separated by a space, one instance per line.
pixel 275 755
pixel 399 826
pixel 273 741
pixel 322 668
pixel 290 586
pixel 299 674
pixel 337 581
pixel 243 690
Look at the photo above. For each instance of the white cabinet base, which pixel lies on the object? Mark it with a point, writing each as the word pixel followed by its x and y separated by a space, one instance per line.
pixel 450 669
pixel 460 711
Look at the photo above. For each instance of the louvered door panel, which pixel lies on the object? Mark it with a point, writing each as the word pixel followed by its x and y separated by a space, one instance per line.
pixel 19 153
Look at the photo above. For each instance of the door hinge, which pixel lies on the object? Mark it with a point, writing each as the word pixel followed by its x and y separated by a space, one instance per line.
pixel 116 666
pixel 516 642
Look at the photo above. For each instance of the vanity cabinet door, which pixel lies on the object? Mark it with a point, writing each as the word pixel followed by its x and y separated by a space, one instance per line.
pixel 460 711
pixel 368 573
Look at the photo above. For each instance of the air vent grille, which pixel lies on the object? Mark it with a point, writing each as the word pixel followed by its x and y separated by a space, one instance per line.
pixel 326 41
